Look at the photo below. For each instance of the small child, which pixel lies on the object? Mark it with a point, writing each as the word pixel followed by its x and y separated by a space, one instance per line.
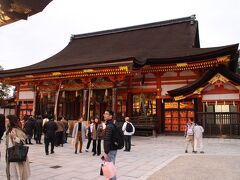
pixel 198 137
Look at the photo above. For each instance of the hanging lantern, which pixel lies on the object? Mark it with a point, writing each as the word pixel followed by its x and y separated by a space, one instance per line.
pixel 206 103
pixel 76 93
pixel 224 103
pixel 63 94
pixel 41 95
pixel 234 103
pixel 49 95
pixel 106 92
pixel 216 103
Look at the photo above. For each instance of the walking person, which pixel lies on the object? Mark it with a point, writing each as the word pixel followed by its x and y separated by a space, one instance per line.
pixel 2 126
pixel 59 133
pixel 15 135
pixel 29 129
pixel 189 133
pixel 65 133
pixel 198 137
pixel 97 136
pixel 38 129
pixel 79 134
pixel 49 130
pixel 110 149
pixel 128 130
pixel 89 134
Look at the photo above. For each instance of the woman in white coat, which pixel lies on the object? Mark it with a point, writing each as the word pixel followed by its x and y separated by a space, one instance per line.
pixel 79 134
pixel 15 170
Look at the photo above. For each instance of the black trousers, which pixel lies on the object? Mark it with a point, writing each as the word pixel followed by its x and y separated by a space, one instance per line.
pixel 47 141
pixel 59 138
pixel 97 146
pixel 127 142
pixel 89 142
pixel 38 138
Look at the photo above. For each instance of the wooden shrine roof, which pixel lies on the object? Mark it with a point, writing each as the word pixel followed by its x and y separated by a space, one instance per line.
pixel 14 10
pixel 204 80
pixel 172 41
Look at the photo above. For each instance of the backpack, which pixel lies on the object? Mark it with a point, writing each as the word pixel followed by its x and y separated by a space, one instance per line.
pixel 118 137
pixel 129 128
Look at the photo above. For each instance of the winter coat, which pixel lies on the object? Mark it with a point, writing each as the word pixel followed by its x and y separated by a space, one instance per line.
pixel 75 131
pixel 38 127
pixel 18 170
pixel 29 127
pixel 108 142
pixel 124 129
pixel 49 129
pixel 97 133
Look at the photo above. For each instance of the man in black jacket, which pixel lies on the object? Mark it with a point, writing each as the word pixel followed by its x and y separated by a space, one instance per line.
pixel 110 148
pixel 49 130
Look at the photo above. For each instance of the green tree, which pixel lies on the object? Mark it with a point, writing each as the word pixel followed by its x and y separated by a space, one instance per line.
pixel 4 89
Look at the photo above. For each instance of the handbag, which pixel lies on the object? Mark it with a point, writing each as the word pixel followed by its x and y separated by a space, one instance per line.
pixel 109 170
pixel 17 153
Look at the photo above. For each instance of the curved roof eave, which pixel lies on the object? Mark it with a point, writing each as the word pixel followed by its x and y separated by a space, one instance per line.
pixel 208 75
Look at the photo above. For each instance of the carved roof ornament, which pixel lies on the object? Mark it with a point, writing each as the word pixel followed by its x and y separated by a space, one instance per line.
pixel 218 77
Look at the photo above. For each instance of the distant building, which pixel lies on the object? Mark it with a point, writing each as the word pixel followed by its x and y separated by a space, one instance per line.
pixel 156 73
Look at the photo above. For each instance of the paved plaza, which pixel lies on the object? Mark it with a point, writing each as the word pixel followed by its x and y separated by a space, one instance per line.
pixel 151 158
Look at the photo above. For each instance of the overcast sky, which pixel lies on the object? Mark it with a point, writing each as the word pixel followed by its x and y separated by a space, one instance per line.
pixel 45 34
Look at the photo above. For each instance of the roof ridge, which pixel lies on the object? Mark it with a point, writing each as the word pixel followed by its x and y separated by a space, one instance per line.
pixel 191 19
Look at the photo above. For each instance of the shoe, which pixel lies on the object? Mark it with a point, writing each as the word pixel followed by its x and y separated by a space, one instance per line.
pixel 124 150
pixel 195 152
pixel 201 152
pixel 186 151
pixel 86 150
pixel 52 152
pixel 75 152
pixel 94 154
pixel 80 151
pixel 47 153
pixel 98 154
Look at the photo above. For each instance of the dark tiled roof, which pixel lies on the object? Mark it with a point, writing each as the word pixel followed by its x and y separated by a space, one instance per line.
pixel 162 42
pixel 190 88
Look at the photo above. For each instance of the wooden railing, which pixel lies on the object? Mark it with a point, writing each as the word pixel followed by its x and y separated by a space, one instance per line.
pixel 221 124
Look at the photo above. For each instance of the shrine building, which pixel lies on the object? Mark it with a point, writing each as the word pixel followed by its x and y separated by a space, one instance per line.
pixel 156 74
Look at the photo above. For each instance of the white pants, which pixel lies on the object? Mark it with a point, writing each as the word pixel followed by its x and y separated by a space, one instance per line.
pixel 198 142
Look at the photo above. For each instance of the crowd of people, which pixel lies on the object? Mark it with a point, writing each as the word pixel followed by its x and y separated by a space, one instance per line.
pixel 55 133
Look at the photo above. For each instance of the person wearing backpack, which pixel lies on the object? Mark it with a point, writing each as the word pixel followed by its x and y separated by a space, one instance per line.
pixel 189 134
pixel 110 147
pixel 128 130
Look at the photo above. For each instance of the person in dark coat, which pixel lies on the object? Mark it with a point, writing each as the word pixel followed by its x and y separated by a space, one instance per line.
pixel 2 126
pixel 110 149
pixel 29 128
pixel 49 130
pixel 38 130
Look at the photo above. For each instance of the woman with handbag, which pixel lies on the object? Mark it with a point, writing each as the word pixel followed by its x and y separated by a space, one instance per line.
pixel 15 136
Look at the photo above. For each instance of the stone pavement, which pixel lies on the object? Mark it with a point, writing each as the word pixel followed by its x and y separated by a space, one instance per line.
pixel 148 156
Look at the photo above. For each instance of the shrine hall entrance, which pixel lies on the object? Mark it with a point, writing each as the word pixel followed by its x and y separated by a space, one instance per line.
pixel 176 115
pixel 100 100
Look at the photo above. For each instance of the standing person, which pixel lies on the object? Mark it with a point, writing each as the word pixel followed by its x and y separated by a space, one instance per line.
pixel 97 136
pixel 65 133
pixel 2 126
pixel 49 130
pixel 110 149
pixel 128 130
pixel 198 137
pixel 189 133
pixel 79 134
pixel 29 128
pixel 38 129
pixel 59 132
pixel 15 135
pixel 89 134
